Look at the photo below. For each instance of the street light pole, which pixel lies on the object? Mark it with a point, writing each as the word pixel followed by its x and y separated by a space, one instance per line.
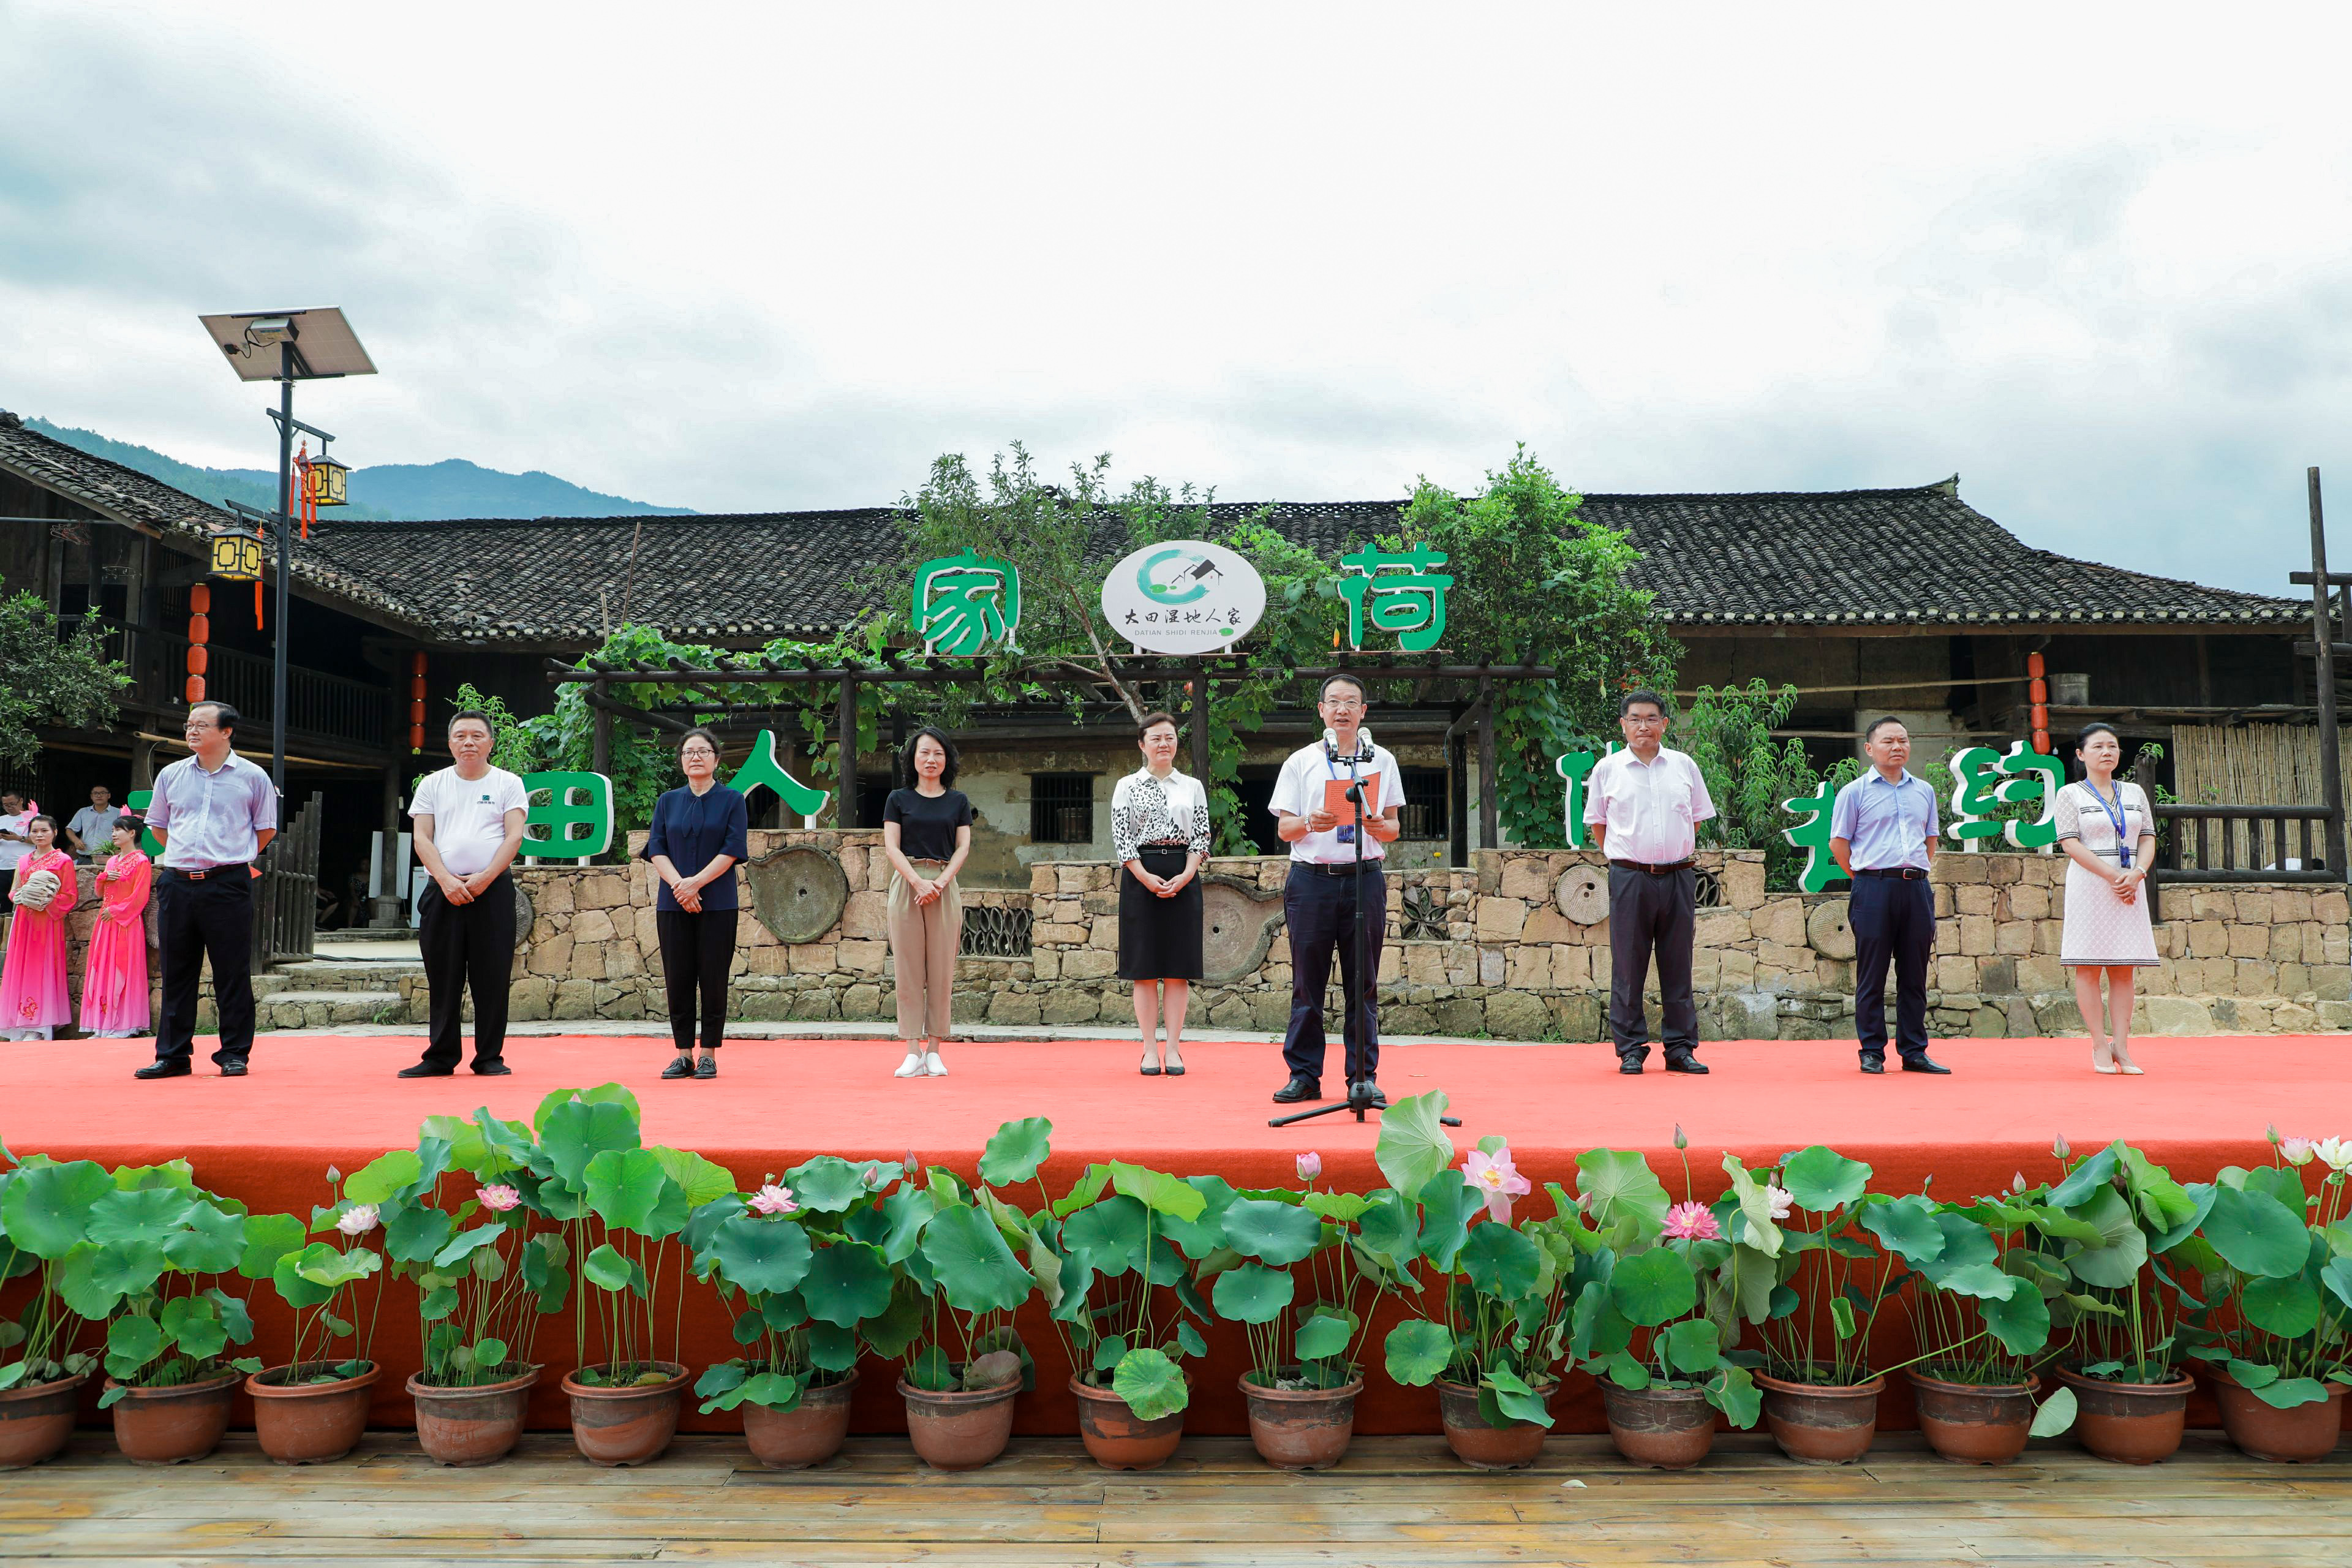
pixel 285 567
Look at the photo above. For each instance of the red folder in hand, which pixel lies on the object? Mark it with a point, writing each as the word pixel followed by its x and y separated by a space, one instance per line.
pixel 1336 801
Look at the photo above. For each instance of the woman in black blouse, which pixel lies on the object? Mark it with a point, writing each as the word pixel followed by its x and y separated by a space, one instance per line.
pixel 1159 835
pixel 705 826
pixel 927 834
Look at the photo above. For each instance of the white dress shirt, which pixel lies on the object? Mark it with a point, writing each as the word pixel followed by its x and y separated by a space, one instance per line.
pixel 1651 809
pixel 1299 792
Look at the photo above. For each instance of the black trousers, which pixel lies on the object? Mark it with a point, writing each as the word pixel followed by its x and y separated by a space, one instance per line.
pixel 697 950
pixel 467 946
pixel 195 919
pixel 1319 911
pixel 1892 917
pixel 1652 917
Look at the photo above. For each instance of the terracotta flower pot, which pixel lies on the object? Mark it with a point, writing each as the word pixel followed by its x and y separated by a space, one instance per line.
pixel 173 1425
pixel 1819 1423
pixel 959 1431
pixel 627 1425
pixel 2130 1423
pixel 309 1423
pixel 474 1426
pixel 808 1434
pixel 1118 1437
pixel 1974 1424
pixel 35 1419
pixel 2264 1431
pixel 1301 1429
pixel 1479 1445
pixel 1665 1428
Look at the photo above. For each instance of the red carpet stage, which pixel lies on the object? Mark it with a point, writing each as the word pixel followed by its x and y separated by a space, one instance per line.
pixel 314 1102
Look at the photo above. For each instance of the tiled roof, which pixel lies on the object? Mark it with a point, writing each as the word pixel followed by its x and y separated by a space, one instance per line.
pixel 133 497
pixel 1913 556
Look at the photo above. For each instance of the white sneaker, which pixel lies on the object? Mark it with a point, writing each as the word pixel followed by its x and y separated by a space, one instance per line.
pixel 912 1066
pixel 933 1066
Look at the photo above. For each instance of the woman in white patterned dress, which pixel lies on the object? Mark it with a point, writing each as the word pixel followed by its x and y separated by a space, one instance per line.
pixel 2106 830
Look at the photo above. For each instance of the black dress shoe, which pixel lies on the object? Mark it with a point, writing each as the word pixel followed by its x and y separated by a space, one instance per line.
pixel 494 1067
pixel 1873 1062
pixel 708 1067
pixel 426 1069
pixel 1685 1061
pixel 1366 1091
pixel 164 1070
pixel 1148 1070
pixel 1629 1066
pixel 232 1067
pixel 681 1066
pixel 1301 1087
pixel 1923 1062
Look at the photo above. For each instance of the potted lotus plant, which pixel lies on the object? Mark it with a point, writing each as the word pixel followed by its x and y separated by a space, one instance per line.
pixel 2275 1312
pixel 1974 1288
pixel 622 1206
pixel 801 1266
pixel 313 1408
pixel 1825 1282
pixel 463 1218
pixel 156 1243
pixel 44 1210
pixel 1306 1341
pixel 1659 1328
pixel 1487 1300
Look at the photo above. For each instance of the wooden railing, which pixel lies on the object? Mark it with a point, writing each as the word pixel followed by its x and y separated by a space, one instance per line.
pixel 2243 844
pixel 317 703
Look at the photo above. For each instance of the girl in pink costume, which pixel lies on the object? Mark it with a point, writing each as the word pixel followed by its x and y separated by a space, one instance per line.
pixel 114 985
pixel 33 996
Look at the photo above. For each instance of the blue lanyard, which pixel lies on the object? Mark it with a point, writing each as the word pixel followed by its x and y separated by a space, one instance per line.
pixel 2117 814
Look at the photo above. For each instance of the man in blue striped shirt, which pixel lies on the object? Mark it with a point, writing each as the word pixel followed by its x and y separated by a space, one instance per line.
pixel 1883 832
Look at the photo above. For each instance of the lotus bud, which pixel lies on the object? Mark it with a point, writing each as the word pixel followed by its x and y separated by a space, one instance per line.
pixel 1310 1166
pixel 335 1175
pixel 1680 1141
pixel 2059 1148
pixel 2017 1183
pixel 914 1166
pixel 2272 1132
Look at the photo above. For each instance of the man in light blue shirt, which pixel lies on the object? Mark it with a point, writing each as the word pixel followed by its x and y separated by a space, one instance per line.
pixel 1883 831
pixel 215 812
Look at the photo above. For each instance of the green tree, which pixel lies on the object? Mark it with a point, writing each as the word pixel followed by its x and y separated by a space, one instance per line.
pixel 1728 733
pixel 63 681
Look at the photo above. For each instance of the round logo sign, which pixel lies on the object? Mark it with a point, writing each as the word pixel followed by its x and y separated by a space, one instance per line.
pixel 1183 596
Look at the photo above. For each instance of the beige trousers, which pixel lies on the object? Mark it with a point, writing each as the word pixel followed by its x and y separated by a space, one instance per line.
pixel 923 942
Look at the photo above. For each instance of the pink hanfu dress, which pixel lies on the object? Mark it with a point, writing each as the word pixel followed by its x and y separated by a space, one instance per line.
pixel 114 985
pixel 33 993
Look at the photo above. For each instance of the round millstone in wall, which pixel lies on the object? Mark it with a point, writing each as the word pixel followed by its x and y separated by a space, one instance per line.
pixel 1583 894
pixel 1827 933
pixel 1237 927
pixel 524 916
pixel 798 892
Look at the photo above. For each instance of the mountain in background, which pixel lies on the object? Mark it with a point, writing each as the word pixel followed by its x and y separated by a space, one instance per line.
pixel 410 491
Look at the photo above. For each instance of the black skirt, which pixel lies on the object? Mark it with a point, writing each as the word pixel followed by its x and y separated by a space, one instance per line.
pixel 1158 939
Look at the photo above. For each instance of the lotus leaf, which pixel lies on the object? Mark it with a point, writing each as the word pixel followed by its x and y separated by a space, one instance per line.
pixel 1412 1145
pixel 2287 1308
pixel 762 1255
pixel 1253 1294
pixel 847 1282
pixel 827 1185
pixel 1015 1151
pixel 47 1208
pixel 1158 1191
pixel 2257 1235
pixel 1321 1337
pixel 1417 1351
pixel 576 1130
pixel 1820 1180
pixel 975 1269
pixel 1615 1184
pixel 1653 1287
pixel 630 1191
pixel 1500 1263
pixel 1274 1233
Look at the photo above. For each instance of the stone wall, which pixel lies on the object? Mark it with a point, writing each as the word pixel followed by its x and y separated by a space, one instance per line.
pixel 1514 947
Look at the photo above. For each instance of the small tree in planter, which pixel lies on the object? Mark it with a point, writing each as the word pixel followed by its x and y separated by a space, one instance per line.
pixel 43 1214
pixel 466 1220
pixel 1306 1349
pixel 804 1254
pixel 1659 1328
pixel 314 1407
pixel 2274 1313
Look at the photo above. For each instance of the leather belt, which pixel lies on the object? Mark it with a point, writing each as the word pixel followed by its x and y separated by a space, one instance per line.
pixel 1906 873
pixel 1338 869
pixel 1682 865
pixel 207 871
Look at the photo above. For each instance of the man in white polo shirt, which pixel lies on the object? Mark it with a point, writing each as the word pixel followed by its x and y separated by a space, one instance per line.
pixel 1318 902
pixel 1643 806
pixel 468 820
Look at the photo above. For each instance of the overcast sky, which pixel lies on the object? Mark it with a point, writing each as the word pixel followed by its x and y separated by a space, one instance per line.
pixel 2096 261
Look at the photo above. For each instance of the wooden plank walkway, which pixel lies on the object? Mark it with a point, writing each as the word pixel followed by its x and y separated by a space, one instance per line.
pixel 1397 1500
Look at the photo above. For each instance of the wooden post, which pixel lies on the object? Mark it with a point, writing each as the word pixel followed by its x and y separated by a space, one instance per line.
pixel 1457 795
pixel 1489 836
pixel 1201 724
pixel 845 796
pixel 600 744
pixel 2323 637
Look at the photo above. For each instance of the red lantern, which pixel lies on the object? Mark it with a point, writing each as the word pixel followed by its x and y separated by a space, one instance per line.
pixel 200 598
pixel 2038 695
pixel 416 702
pixel 199 632
pixel 200 658
pixel 196 690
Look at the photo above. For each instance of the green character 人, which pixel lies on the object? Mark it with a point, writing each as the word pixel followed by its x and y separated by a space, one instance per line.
pixel 762 769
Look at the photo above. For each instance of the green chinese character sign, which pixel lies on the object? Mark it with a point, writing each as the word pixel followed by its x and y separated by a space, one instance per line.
pixel 762 769
pixel 1397 591
pixel 1984 780
pixel 1574 768
pixel 582 800
pixel 966 605
pixel 1813 835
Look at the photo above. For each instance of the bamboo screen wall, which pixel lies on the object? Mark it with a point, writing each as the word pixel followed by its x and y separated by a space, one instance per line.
pixel 2246 764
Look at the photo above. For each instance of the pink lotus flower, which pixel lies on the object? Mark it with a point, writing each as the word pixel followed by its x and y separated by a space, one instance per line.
pixel 773 1199
pixel 357 1220
pixel 1310 1166
pixel 1781 1200
pixel 1494 1178
pixel 2298 1151
pixel 1692 1222
pixel 499 1198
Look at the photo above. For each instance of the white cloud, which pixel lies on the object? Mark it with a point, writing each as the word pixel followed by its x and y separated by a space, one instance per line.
pixel 765 256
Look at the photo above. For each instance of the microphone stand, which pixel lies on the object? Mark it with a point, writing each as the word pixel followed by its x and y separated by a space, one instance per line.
pixel 1352 1036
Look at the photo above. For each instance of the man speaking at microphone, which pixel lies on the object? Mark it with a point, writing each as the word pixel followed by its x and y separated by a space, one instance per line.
pixel 1319 900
